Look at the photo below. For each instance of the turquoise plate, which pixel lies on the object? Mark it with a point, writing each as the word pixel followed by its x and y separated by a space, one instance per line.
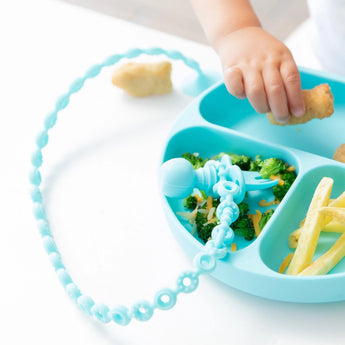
pixel 216 122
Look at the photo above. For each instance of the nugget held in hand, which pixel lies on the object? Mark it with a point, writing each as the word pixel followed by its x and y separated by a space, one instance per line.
pixel 339 154
pixel 318 104
pixel 143 79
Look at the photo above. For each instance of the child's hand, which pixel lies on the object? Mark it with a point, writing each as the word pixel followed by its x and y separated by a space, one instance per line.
pixel 258 66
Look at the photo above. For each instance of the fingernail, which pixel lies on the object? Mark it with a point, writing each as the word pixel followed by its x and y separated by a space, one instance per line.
pixel 283 120
pixel 243 96
pixel 299 112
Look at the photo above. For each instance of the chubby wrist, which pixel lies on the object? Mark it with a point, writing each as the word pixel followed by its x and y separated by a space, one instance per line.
pixel 222 38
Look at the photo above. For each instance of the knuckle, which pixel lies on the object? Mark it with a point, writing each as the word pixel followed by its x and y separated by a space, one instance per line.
pixel 292 77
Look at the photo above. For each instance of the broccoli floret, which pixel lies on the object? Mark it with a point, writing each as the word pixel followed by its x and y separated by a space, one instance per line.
pixel 272 166
pixel 195 159
pixel 288 177
pixel 265 218
pixel 204 231
pixel 243 162
pixel 256 164
pixel 244 209
pixel 190 202
pixel 244 227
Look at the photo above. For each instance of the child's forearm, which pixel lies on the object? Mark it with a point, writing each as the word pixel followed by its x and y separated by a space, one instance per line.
pixel 221 17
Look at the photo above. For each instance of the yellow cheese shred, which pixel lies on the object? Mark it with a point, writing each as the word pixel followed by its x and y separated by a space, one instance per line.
pixel 233 247
pixel 264 203
pixel 209 203
pixel 285 263
pixel 255 218
pixel 291 168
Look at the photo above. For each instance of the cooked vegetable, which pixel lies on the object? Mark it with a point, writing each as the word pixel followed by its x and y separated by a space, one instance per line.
pixel 256 164
pixel 272 166
pixel 191 202
pixel 279 191
pixel 195 159
pixel 243 226
pixel 265 218
pixel 312 228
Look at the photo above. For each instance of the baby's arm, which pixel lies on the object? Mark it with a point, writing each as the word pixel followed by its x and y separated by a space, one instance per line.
pixel 255 64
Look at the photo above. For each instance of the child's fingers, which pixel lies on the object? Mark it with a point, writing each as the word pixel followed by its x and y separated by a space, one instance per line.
pixel 255 91
pixel 292 83
pixel 276 94
pixel 233 79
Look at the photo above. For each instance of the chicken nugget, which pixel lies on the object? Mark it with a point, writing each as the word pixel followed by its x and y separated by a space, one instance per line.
pixel 144 79
pixel 318 105
pixel 339 154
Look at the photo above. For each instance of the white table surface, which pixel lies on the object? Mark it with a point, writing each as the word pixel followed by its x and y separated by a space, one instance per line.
pixel 102 199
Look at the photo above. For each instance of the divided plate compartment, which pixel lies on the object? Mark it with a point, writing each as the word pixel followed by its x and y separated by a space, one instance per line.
pixel 217 122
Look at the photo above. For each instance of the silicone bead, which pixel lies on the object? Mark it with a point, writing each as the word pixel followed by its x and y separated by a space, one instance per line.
pixel 50 120
pixel 62 102
pixel 56 261
pixel 64 277
pixel 42 139
pixel 219 253
pixel 49 244
pixel 77 85
pixel 120 315
pixel 161 303
pixel 204 262
pixel 132 53
pixel 187 282
pixel 36 195
pixel 154 51
pixel 101 312
pixel 192 64
pixel 111 60
pixel 73 291
pixel 174 54
pixel 228 236
pixel 36 158
pixel 142 310
pixel 43 227
pixel 85 303
pixel 39 211
pixel 94 71
pixel 35 177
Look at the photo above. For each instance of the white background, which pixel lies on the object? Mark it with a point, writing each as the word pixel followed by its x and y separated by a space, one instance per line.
pixel 102 199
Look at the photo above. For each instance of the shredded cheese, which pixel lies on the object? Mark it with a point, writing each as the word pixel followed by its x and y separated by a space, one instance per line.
pixel 209 203
pixel 255 218
pixel 199 199
pixel 291 168
pixel 275 177
pixel 264 203
pixel 285 263
pixel 210 214
pixel 233 247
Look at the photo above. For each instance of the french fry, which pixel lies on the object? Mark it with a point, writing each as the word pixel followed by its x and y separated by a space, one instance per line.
pixel 312 228
pixel 327 261
pixel 334 226
pixel 338 202
pixel 337 213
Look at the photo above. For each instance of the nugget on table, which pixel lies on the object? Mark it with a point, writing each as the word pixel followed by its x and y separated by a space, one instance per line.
pixel 144 79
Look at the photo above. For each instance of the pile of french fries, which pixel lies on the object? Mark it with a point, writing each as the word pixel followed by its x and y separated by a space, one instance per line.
pixel 324 214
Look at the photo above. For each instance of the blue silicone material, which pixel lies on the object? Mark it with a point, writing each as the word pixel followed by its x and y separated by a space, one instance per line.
pixel 217 122
pixel 187 281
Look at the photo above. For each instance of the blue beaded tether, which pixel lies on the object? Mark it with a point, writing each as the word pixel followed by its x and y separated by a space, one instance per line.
pixel 218 178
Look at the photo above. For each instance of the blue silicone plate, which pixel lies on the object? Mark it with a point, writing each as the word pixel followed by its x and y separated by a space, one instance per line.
pixel 217 122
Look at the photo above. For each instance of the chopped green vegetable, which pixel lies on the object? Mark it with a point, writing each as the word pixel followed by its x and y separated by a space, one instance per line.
pixel 265 218
pixel 280 191
pixel 272 166
pixel 243 162
pixel 256 164
pixel 244 227
pixel 204 229
pixel 190 202
pixel 195 159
